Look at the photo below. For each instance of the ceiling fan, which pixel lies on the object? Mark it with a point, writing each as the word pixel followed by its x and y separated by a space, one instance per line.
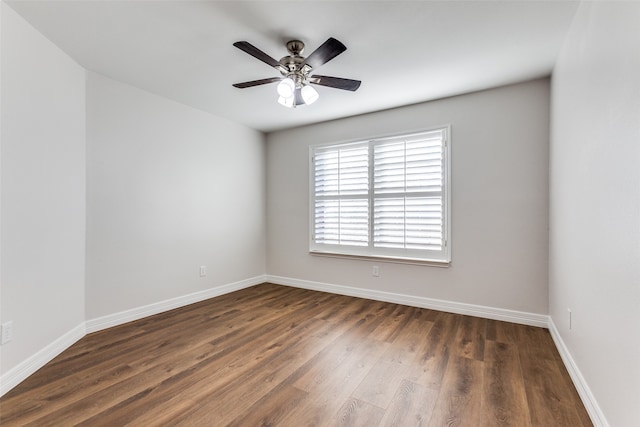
pixel 294 87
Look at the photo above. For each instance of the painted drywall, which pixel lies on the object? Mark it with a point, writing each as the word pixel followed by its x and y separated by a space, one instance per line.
pixel 500 141
pixel 170 189
pixel 43 190
pixel 595 204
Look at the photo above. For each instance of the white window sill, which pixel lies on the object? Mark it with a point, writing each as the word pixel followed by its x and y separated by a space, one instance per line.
pixel 396 260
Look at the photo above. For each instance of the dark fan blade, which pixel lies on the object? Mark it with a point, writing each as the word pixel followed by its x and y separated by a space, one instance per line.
pixel 325 53
pixel 257 82
pixel 258 54
pixel 336 82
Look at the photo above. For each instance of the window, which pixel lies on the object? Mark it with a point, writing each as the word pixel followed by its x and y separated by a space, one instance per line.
pixel 384 198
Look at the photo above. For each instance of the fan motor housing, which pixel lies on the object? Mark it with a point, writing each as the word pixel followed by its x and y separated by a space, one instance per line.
pixel 292 63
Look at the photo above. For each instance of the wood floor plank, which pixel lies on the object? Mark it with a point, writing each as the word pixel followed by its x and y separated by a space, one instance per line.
pixel 337 362
pixel 331 379
pixel 273 355
pixel 343 309
pixel 459 398
pixel 380 384
pixel 504 399
pixel 271 409
pixel 356 413
pixel 408 345
pixel 500 331
pixel 549 402
pixel 549 399
pixel 412 405
pixel 434 351
pixel 547 343
pixel 470 337
pixel 393 324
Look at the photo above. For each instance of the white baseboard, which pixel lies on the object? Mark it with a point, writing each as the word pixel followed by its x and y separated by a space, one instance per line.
pixel 116 319
pixel 512 316
pixel 589 401
pixel 19 373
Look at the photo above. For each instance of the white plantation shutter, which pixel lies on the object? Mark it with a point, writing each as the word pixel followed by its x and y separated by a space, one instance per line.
pixel 408 181
pixel 385 198
pixel 341 195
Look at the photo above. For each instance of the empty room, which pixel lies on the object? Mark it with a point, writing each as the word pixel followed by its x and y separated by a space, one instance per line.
pixel 319 213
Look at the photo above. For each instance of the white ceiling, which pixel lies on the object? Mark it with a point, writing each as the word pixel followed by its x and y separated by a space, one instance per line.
pixel 404 52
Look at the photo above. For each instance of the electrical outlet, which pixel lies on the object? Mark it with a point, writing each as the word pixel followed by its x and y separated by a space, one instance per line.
pixel 569 318
pixel 7 332
pixel 375 271
pixel 203 270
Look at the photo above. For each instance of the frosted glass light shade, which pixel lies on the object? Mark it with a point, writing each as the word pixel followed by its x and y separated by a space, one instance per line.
pixel 287 102
pixel 286 88
pixel 309 95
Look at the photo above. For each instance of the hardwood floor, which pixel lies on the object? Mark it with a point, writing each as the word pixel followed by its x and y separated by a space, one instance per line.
pixel 279 356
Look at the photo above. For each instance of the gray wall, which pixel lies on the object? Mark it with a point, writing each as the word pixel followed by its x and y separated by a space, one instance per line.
pixel 170 188
pixel 499 200
pixel 595 204
pixel 43 191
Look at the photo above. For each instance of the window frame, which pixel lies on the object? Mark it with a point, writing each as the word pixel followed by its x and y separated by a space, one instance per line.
pixel 440 258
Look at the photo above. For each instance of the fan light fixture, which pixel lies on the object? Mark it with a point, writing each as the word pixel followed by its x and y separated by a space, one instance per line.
pixel 290 96
pixel 291 92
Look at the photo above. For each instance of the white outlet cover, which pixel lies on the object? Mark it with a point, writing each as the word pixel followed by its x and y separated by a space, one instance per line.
pixel 7 332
